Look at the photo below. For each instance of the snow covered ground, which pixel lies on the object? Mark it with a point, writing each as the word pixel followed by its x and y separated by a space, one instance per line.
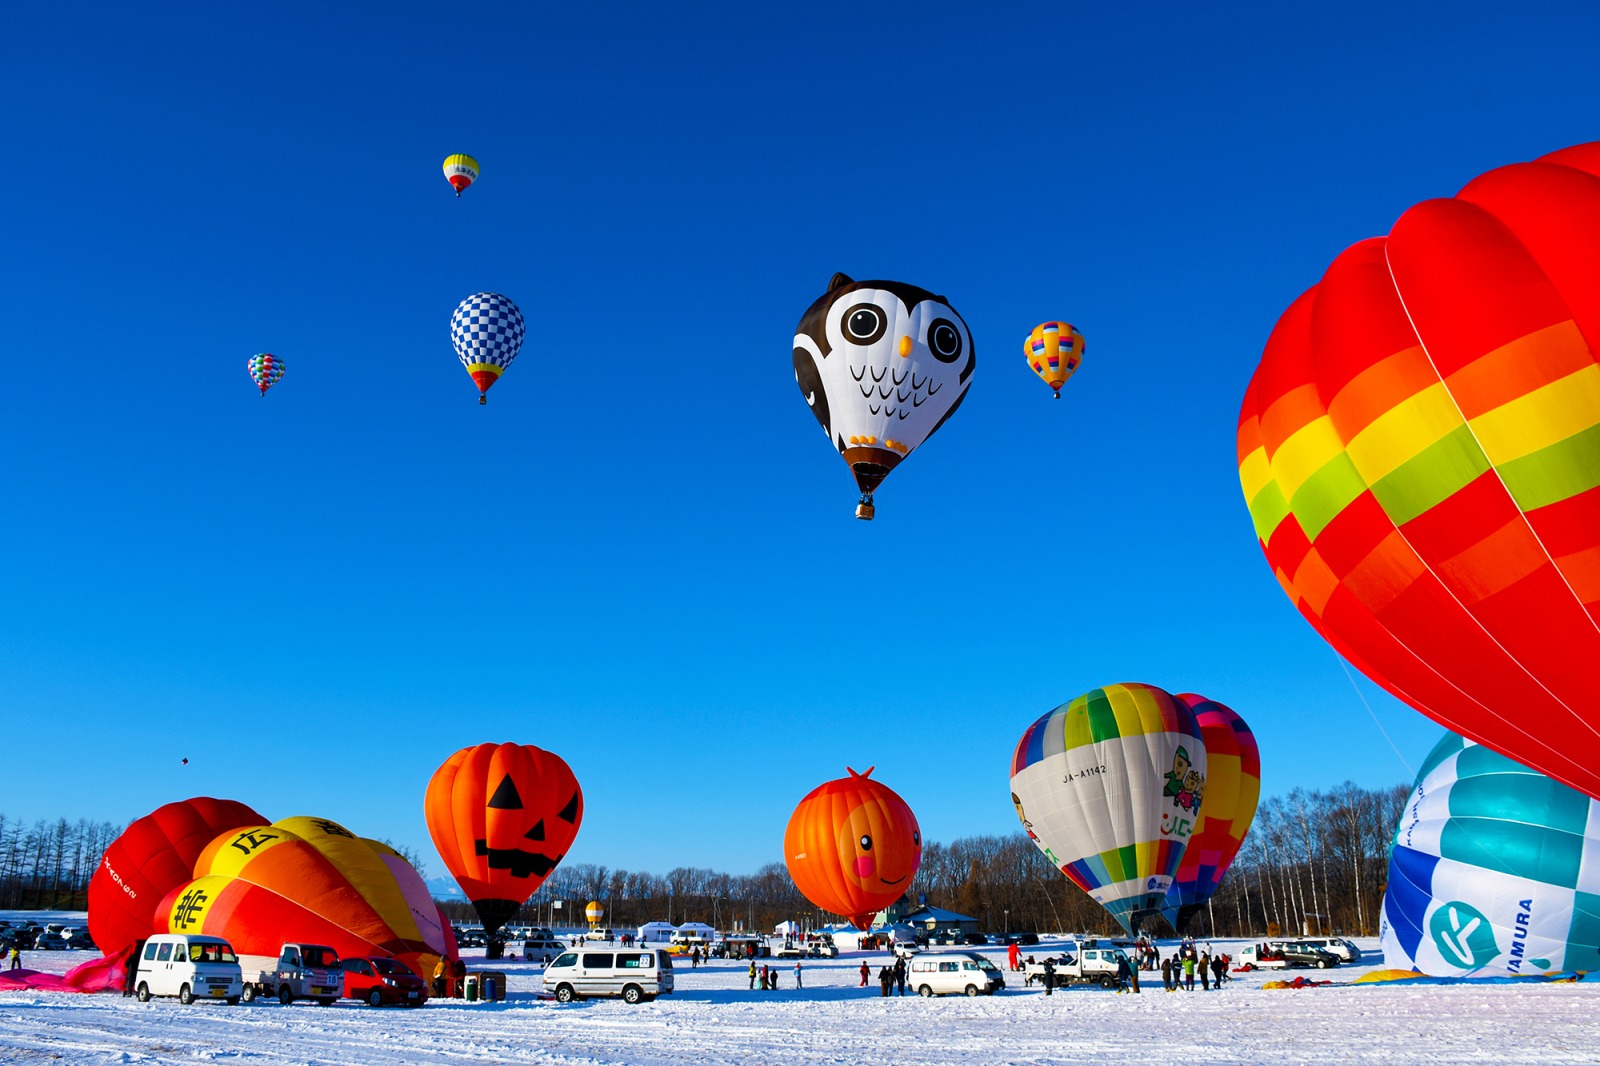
pixel 714 1018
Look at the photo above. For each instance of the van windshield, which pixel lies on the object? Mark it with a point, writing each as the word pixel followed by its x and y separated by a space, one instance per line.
pixel 211 953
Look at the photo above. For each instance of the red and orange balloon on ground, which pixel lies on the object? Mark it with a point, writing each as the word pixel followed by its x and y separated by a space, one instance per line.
pixel 852 847
pixel 502 817
pixel 1420 451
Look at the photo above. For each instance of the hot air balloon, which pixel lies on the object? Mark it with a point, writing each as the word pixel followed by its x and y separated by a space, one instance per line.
pixel 882 365
pixel 460 171
pixel 502 817
pixel 309 879
pixel 1109 787
pixel 1418 448
pixel 153 855
pixel 1495 870
pixel 1233 788
pixel 487 331
pixel 1054 350
pixel 266 370
pixel 595 913
pixel 852 847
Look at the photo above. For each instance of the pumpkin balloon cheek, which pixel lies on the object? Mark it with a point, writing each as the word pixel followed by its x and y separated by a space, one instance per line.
pixel 866 866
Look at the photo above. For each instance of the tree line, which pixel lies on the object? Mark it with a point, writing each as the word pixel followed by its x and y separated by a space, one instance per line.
pixel 1312 860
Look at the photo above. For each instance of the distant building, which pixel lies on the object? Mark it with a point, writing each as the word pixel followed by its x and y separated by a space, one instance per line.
pixel 935 920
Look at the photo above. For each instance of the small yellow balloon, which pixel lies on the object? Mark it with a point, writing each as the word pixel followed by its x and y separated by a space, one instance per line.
pixel 1054 350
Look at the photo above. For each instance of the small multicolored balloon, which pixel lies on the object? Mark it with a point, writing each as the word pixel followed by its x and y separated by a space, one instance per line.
pixel 487 331
pixel 460 171
pixel 1054 350
pixel 266 370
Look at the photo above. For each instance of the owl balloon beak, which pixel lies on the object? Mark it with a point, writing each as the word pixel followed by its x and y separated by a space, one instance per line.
pixel 905 347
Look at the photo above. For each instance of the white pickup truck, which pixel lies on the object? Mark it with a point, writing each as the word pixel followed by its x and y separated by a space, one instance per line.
pixel 301 971
pixel 1080 966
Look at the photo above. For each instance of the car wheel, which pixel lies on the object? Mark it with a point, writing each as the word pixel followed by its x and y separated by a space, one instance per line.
pixel 565 994
pixel 374 998
pixel 285 996
pixel 143 993
pixel 972 990
pixel 1322 964
pixel 632 994
pixel 185 996
pixel 232 1001
pixel 925 992
pixel 1106 982
pixel 249 993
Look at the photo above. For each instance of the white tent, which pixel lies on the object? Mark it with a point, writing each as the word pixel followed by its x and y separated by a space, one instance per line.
pixel 700 929
pixel 788 929
pixel 657 932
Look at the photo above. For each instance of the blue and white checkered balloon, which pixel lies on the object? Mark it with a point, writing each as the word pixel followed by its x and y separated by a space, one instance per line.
pixel 487 328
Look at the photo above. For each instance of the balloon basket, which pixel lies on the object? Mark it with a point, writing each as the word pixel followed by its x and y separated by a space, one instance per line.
pixel 483 398
pixel 865 510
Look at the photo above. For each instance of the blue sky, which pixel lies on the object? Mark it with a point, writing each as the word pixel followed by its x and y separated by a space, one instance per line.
pixel 640 554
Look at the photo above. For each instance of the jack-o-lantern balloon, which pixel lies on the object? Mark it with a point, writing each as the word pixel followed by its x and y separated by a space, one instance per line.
pixel 852 847
pixel 502 817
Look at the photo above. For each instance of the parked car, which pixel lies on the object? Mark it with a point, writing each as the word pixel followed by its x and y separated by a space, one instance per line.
pixel 50 942
pixel 190 967
pixel 377 980
pixel 78 938
pixel 906 948
pixel 542 949
pixel 1336 945
pixel 942 972
pixel 634 976
pixel 1282 955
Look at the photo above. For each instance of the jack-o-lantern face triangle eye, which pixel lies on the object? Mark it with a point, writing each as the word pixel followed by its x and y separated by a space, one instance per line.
pixel 537 832
pixel 569 813
pixel 505 797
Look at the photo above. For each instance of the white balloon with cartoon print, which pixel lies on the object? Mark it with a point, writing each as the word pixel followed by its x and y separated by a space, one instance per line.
pixel 882 365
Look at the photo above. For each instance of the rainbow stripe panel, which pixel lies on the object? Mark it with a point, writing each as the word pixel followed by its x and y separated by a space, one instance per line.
pixel 1420 452
pixel 1233 789
pixel 1109 787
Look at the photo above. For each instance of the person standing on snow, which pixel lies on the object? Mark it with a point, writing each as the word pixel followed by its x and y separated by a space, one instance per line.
pixel 1188 972
pixel 1014 956
pixel 1166 973
pixel 797 982
pixel 752 975
pixel 865 973
pixel 1123 973
pixel 900 969
pixel 1049 976
pixel 885 979
pixel 1204 967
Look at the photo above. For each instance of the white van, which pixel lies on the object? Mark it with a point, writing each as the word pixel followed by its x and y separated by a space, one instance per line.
pixel 1336 945
pixel 599 971
pixel 190 967
pixel 941 972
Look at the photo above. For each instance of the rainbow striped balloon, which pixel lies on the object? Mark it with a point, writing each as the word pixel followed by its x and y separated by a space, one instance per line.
pixel 1233 789
pixel 1109 787
pixel 1420 451
pixel 266 370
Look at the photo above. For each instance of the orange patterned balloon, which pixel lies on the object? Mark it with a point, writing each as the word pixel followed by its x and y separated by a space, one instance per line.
pixel 852 847
pixel 502 817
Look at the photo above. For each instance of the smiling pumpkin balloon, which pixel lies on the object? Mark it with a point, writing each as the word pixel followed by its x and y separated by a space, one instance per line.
pixel 502 817
pixel 852 847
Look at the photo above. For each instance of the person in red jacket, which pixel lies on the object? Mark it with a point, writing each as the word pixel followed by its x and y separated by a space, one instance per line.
pixel 865 972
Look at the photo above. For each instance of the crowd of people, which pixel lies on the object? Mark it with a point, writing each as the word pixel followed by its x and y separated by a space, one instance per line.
pixel 766 977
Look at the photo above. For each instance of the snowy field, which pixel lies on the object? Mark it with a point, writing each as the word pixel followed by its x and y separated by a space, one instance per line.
pixel 715 1018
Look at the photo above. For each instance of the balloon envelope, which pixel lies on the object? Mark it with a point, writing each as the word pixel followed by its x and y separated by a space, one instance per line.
pixel 1418 450
pixel 487 330
pixel 460 171
pixel 1109 787
pixel 309 879
pixel 1054 350
pixel 502 817
pixel 1233 788
pixel 153 855
pixel 266 370
pixel 852 847
pixel 882 365
pixel 1495 870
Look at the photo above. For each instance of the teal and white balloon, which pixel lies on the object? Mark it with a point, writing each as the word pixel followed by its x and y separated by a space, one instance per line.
pixel 1495 870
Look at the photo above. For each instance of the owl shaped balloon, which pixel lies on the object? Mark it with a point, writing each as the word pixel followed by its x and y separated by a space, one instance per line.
pixel 882 365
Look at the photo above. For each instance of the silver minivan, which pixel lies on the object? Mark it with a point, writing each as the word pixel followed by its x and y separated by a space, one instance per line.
pixel 633 976
pixel 1334 945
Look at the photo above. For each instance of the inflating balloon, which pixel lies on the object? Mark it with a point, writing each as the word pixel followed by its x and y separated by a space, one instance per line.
pixel 852 847
pixel 502 817
pixel 487 331
pixel 309 879
pixel 1418 448
pixel 153 855
pixel 266 370
pixel 1233 788
pixel 460 171
pixel 1495 870
pixel 882 365
pixel 595 913
pixel 1054 350
pixel 1109 787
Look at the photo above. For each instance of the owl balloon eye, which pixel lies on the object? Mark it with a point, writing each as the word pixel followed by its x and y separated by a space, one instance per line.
pixel 944 340
pixel 865 323
pixel 866 843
